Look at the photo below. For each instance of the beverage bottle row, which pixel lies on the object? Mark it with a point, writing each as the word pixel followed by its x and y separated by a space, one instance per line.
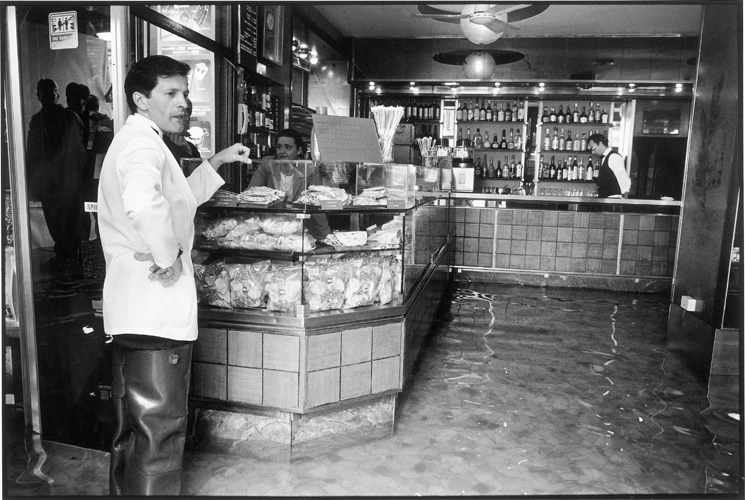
pixel 560 142
pixel 490 111
pixel 594 115
pixel 510 169
pixel 263 110
pixel 514 141
pixel 569 170
pixel 413 109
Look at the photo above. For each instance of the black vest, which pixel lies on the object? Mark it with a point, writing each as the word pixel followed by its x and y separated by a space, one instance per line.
pixel 607 181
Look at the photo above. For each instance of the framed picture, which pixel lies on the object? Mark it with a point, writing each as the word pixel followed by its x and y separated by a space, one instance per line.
pixel 661 122
pixel 273 31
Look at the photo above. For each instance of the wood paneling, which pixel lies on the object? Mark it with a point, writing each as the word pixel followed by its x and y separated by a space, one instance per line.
pixel 280 389
pixel 211 346
pixel 281 352
pixel 324 351
pixel 244 384
pixel 209 381
pixel 356 345
pixel 323 387
pixel 356 380
pixel 244 348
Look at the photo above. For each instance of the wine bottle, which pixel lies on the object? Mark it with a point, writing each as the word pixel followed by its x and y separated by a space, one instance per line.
pixel 565 170
pixel 519 171
pixel 490 171
pixel 569 144
pixel 575 114
pixel 555 140
pixel 577 143
pixel 500 113
pixel 546 139
pixel 595 170
pixel 459 112
pixel 468 138
pixel 470 111
pixel 597 112
pixel 552 169
pixel 489 112
pixel 459 142
pixel 506 168
pixel 604 116
pixel 591 113
pixel 514 111
pixel 437 110
pixel 507 113
pixel 545 118
pixel 503 144
pixel 560 114
pixel 583 143
pixel 511 142
pixel 576 175
pixel 583 117
pixel 568 115
pixel 513 168
pixel 498 170
pixel 482 112
pixel 589 175
pixel 520 112
pixel 562 141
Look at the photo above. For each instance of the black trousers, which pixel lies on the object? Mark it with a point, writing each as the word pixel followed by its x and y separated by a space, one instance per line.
pixel 150 388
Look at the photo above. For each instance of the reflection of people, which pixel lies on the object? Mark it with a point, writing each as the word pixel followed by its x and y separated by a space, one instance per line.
pixel 99 122
pixel 177 142
pixel 284 177
pixel 613 181
pixel 146 210
pixel 76 95
pixel 56 161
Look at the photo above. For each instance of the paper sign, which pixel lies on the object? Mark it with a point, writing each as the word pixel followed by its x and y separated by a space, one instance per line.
pixel 342 138
pixel 396 204
pixel 90 206
pixel 63 30
pixel 331 205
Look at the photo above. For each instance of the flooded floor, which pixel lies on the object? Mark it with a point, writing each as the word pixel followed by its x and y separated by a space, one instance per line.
pixel 520 391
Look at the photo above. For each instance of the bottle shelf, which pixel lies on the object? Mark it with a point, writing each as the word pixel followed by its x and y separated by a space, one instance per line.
pixel 573 124
pixel 563 152
pixel 562 181
pixel 489 122
pixel 498 150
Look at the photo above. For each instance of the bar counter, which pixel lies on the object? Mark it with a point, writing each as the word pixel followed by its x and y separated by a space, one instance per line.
pixel 620 244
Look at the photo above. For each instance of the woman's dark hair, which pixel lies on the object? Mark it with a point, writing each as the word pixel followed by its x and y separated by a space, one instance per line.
pixel 144 74
pixel 294 135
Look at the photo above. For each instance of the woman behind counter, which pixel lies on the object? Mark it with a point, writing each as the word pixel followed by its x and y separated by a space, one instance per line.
pixel 285 177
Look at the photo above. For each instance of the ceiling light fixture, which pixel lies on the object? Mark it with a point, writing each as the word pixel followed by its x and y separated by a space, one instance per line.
pixel 479 65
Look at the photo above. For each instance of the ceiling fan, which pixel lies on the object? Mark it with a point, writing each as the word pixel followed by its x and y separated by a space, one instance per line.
pixel 482 23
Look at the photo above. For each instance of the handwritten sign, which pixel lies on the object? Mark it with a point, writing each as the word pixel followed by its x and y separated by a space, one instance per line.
pixel 248 35
pixel 331 205
pixel 63 30
pixel 341 138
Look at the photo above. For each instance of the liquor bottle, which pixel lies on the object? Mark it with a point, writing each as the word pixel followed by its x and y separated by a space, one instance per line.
pixel 520 113
pixel 546 139
pixel 437 110
pixel 583 143
pixel 506 168
pixel 541 169
pixel 490 171
pixel 595 170
pixel 489 112
pixel 513 168
pixel 576 172
pixel 495 142
pixel 568 115
pixel 514 111
pixel 470 111
pixel 555 140
pixel 589 174
pixel 591 113
pixel 486 144
pixel 500 113
pixel 519 171
pixel 565 170
pixel 552 169
pixel 575 114
pixel 583 117
pixel 478 139
pixel 482 112
pixel 507 113
pixel 562 141
pixel 503 143
pixel 577 143
pixel 459 112
pixel 498 170
pixel 598 114
pixel 560 114
pixel 511 142
pixel 468 138
pixel 478 173
pixel 552 116
pixel 569 144
pixel 545 118
pixel 518 140
pixel 559 172
pixel 459 142
pixel 604 116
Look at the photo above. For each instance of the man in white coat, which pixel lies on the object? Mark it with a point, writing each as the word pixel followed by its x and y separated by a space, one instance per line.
pixel 146 211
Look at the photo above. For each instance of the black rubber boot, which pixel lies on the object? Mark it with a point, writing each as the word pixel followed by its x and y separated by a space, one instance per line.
pixel 151 396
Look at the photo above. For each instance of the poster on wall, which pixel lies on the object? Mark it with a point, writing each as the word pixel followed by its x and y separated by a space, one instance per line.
pixel 201 78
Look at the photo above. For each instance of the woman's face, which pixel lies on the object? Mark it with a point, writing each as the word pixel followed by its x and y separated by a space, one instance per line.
pixel 287 149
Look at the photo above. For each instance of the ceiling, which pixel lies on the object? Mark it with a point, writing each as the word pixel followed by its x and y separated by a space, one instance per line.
pixel 396 20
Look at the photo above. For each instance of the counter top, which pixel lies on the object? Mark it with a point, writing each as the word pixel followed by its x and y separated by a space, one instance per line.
pixel 564 199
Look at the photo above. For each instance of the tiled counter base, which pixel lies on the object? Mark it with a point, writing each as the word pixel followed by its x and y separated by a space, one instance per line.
pixel 277 394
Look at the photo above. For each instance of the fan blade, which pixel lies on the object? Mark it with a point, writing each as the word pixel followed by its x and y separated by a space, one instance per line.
pixel 442 17
pixel 498 26
pixel 507 10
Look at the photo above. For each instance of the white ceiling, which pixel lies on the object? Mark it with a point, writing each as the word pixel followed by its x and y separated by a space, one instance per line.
pixel 380 20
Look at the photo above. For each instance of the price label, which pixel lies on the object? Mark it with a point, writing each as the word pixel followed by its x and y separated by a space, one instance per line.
pixel 395 203
pixel 90 206
pixel 331 205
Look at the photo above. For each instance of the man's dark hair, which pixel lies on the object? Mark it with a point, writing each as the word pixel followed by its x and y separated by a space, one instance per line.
pixel 598 139
pixel 144 74
pixel 294 135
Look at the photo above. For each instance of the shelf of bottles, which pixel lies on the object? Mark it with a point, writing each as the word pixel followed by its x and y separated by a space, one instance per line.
pixel 424 114
pixel 259 116
pixel 562 134
pixel 497 130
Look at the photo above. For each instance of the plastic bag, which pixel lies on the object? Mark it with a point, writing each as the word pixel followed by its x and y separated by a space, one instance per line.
pixel 213 284
pixel 247 284
pixel 284 288
pixel 281 224
pixel 362 283
pixel 324 285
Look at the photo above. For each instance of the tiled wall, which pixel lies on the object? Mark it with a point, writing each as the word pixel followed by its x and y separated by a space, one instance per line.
pixel 577 242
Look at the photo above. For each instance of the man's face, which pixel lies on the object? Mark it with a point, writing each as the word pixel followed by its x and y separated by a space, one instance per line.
pixel 596 149
pixel 48 95
pixel 166 105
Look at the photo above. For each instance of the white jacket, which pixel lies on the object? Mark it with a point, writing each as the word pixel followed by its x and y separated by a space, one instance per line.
pixel 146 205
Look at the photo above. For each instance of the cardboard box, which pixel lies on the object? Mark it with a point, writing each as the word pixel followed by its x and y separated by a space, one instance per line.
pixel 406 154
pixel 404 134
